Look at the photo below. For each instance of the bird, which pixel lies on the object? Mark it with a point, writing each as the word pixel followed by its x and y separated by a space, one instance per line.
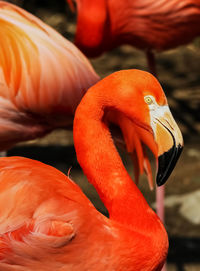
pixel 43 77
pixel 48 223
pixel 149 25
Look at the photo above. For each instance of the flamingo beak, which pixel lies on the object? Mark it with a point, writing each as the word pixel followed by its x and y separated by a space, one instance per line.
pixel 170 143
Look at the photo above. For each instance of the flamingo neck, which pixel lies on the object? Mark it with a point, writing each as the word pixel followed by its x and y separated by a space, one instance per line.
pixel 91 26
pixel 104 169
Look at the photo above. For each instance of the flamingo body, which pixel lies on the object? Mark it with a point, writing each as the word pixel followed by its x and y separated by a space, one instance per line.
pixel 42 77
pixel 57 226
pixel 145 24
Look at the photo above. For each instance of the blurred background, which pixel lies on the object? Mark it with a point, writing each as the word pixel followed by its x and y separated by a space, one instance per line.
pixel 179 75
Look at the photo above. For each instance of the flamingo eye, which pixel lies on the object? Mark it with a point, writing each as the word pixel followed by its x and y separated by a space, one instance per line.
pixel 148 100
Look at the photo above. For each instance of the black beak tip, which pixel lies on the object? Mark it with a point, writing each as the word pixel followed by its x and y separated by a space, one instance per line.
pixel 166 164
pixel 160 180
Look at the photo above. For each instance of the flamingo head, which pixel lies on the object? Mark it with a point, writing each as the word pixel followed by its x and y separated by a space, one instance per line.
pixel 167 136
pixel 145 120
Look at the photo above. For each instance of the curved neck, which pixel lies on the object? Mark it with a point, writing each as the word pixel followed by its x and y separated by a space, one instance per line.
pixel 102 164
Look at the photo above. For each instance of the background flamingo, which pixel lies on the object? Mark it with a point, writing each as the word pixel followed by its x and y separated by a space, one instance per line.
pixel 42 77
pixel 145 24
pixel 48 223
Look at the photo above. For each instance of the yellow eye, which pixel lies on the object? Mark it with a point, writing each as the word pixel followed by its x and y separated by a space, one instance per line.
pixel 148 100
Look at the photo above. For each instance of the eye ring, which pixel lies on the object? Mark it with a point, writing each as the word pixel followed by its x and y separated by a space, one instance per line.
pixel 148 100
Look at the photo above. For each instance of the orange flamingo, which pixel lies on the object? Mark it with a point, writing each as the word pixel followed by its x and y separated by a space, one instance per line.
pixel 47 222
pixel 42 77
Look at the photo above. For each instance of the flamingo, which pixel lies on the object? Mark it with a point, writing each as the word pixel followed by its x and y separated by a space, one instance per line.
pixel 47 222
pixel 149 25
pixel 43 77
